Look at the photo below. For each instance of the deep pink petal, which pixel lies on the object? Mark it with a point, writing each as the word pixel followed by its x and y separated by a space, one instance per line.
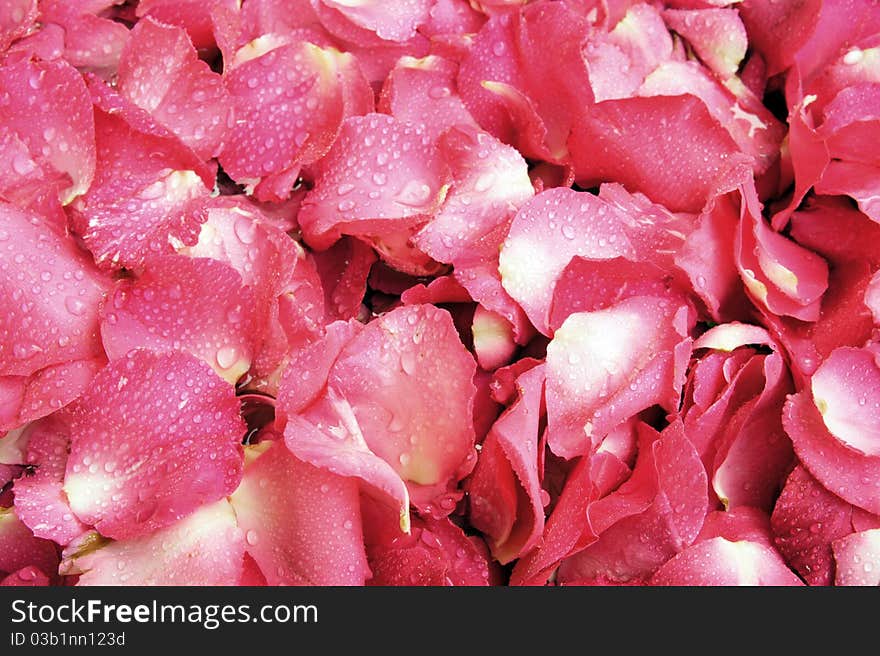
pixel 667 147
pixel 20 548
pixel 859 181
pixel 196 305
pixel 344 269
pixel 709 262
pixel 289 104
pixel 651 517
pixel 205 548
pixel 53 293
pixel 17 17
pixel 148 188
pixel 381 175
pixel 516 433
pixel 40 501
pixel 301 524
pixel 806 520
pixel 425 91
pixel 605 366
pixel 436 553
pixel 777 30
pixel 26 576
pixel 160 72
pixel 142 440
pixel 195 16
pixel 391 374
pixel 47 106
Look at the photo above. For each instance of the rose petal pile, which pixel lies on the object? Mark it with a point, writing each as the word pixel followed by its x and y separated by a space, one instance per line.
pixel 440 292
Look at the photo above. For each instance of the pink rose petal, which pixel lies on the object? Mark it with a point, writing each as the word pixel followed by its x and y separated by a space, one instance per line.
pixel 160 72
pixel 605 366
pixel 196 305
pixel 141 441
pixel 205 548
pixel 40 500
pixel 301 524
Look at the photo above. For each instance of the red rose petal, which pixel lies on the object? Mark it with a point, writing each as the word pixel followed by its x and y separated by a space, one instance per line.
pixel 206 548
pixel 141 441
pixel 301 524
pixel 196 305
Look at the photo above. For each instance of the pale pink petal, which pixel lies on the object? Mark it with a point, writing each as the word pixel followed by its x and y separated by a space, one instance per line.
pixel 842 469
pixel 858 559
pixel 605 366
pixel 206 548
pixel 720 562
pixel 409 382
pixel 717 35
